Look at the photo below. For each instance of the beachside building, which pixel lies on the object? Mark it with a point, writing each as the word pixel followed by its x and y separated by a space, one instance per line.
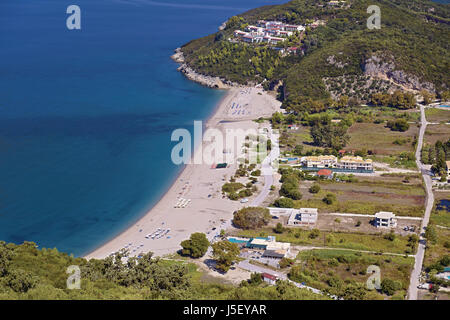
pixel 269 278
pixel 319 161
pixel 239 33
pixel 385 219
pixel 272 40
pixel 335 3
pixel 291 27
pixel 271 32
pixel 355 163
pixel 268 243
pixel 285 33
pixel 303 217
pixel 292 50
pixel 247 38
pixel 254 29
pixel 274 254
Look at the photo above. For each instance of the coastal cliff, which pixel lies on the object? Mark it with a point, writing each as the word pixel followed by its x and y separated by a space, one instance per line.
pixel 191 74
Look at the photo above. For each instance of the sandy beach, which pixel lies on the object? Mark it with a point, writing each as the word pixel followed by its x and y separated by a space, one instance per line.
pixel 198 187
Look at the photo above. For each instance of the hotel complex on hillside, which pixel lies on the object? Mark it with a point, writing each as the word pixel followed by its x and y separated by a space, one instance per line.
pixel 271 32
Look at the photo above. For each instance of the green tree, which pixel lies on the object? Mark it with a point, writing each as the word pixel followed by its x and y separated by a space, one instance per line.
pixel 284 203
pixel 196 246
pixel 430 234
pixel 255 278
pixel 314 234
pixel 330 135
pixel 329 199
pixel 225 253
pixel 398 125
pixel 279 228
pixel 315 188
pixel 251 217
pixel 389 286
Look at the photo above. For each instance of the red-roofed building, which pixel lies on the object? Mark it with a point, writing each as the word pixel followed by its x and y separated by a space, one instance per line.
pixel 325 173
pixel 292 50
pixel 269 278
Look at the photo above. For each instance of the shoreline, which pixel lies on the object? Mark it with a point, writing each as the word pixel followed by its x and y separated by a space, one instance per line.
pixel 174 181
pixel 207 81
pixel 197 182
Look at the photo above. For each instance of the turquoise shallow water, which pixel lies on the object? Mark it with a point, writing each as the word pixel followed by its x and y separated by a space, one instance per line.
pixel 86 116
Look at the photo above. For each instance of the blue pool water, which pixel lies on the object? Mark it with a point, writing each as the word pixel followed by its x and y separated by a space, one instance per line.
pixel 86 116
pixel 443 204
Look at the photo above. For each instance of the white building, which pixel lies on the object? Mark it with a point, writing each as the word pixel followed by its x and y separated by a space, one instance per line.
pixel 303 217
pixel 269 278
pixel 385 219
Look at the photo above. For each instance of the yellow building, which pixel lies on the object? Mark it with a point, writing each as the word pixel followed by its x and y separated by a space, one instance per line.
pixel 320 161
pixel 355 163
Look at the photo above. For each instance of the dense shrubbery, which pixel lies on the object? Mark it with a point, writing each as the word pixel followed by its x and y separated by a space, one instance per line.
pixel 398 125
pixel 399 100
pixel 284 203
pixel 225 253
pixel 29 273
pixel 251 217
pixel 196 246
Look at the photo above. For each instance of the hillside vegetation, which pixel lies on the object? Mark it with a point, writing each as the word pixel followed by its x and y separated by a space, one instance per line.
pixel 341 56
pixel 27 272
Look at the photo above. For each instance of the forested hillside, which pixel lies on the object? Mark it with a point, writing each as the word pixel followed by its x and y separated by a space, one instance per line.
pixel 339 57
pixel 27 272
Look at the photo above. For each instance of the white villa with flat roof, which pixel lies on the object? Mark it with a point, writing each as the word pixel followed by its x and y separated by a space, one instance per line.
pixel 303 217
pixel 385 219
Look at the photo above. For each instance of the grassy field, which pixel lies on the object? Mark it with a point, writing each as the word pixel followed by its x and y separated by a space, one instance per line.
pixel 330 269
pixel 435 252
pixel 380 139
pixel 357 241
pixel 302 137
pixel 369 195
pixel 437 132
pixel 437 115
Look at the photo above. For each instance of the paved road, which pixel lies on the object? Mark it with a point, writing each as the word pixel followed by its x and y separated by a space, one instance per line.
pixel 415 275
pixel 267 170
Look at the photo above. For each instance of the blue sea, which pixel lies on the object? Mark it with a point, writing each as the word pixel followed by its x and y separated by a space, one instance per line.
pixel 86 115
